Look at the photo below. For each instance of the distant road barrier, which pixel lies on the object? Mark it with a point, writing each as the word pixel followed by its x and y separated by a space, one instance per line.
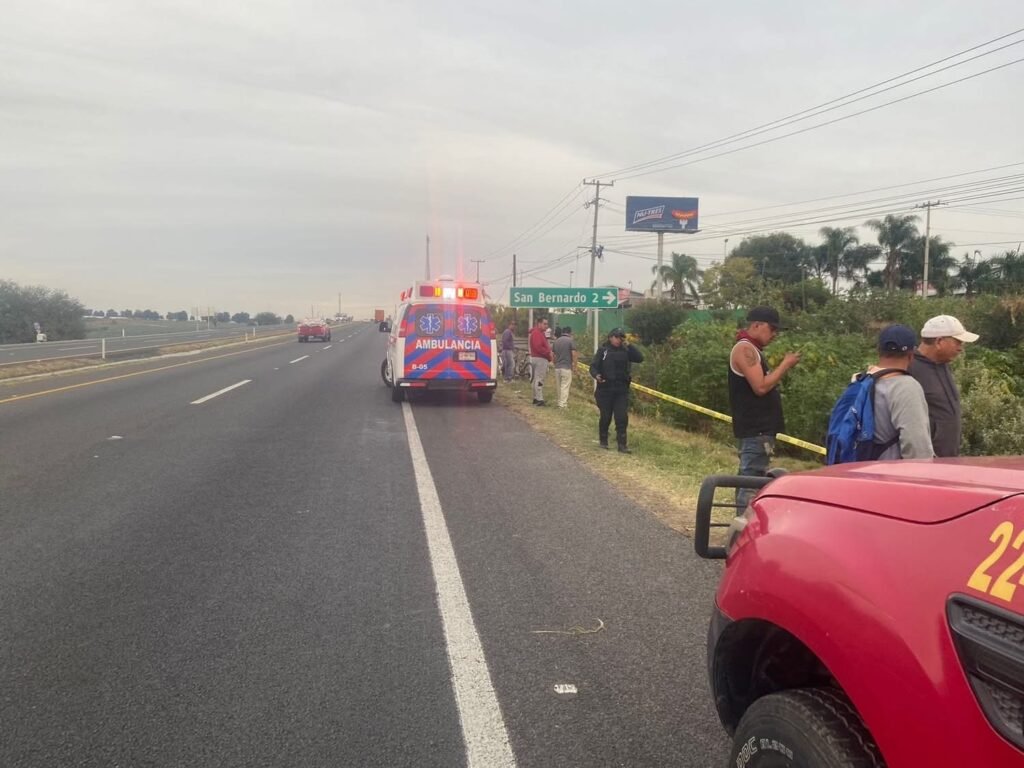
pixel 715 414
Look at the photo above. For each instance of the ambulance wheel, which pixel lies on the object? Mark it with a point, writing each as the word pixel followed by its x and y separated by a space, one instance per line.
pixel 485 395
pixel 397 394
pixel 384 372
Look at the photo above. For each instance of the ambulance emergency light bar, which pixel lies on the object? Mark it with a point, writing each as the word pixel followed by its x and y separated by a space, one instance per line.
pixel 449 292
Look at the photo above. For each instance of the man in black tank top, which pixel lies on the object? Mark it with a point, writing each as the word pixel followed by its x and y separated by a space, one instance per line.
pixel 754 396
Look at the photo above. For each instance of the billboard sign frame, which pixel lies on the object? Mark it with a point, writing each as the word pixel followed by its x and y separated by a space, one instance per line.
pixel 662 214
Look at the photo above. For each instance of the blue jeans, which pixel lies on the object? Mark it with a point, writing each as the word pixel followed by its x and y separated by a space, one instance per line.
pixel 755 454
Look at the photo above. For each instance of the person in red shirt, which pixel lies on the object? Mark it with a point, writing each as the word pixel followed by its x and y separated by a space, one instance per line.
pixel 540 356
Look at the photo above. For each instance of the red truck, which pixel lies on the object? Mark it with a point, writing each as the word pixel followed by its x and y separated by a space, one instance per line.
pixel 871 614
pixel 314 329
pixel 378 316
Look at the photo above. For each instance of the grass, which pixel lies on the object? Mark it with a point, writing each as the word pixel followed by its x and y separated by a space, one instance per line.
pixel 665 470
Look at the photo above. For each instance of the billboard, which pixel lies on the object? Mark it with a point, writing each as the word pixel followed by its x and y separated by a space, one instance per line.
pixel 661 214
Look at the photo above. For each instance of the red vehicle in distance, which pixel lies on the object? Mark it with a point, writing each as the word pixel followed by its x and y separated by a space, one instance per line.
pixel 314 329
pixel 871 614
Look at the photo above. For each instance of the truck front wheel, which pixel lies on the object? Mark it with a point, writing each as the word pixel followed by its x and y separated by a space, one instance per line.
pixel 804 728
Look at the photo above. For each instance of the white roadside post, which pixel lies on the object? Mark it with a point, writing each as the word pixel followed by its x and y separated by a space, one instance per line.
pixel 103 348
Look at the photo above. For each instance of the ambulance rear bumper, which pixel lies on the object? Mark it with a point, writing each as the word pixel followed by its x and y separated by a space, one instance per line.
pixel 449 385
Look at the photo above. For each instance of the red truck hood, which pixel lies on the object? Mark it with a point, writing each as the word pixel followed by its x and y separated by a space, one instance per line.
pixel 919 491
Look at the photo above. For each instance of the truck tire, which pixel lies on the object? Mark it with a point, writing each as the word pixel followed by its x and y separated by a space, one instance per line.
pixel 397 394
pixel 384 372
pixel 804 728
pixel 485 395
pixel 302 339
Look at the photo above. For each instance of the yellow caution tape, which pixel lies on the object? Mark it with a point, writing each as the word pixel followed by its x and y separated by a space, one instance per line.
pixel 716 415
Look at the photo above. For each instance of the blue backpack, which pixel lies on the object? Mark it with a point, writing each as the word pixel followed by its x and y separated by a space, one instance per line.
pixel 851 427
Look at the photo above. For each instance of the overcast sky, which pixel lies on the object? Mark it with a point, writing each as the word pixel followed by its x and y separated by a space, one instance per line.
pixel 271 155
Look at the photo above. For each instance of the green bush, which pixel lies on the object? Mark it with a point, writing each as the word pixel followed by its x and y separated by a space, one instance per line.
pixel 839 340
pixel 993 416
pixel 653 321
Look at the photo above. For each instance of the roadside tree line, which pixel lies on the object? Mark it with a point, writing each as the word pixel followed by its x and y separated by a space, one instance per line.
pixel 784 268
pixel 242 318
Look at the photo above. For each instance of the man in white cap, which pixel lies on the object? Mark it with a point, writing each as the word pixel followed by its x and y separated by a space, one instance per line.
pixel 942 341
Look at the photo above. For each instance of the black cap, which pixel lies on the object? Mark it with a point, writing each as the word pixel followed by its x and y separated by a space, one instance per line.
pixel 897 338
pixel 764 315
pixel 617 332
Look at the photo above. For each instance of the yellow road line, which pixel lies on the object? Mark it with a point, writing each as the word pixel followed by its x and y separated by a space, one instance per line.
pixel 30 395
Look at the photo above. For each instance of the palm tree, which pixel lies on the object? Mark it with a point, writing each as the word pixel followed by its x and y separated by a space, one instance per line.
pixel 895 235
pixel 682 274
pixel 940 264
pixel 972 275
pixel 855 263
pixel 838 241
pixel 1009 269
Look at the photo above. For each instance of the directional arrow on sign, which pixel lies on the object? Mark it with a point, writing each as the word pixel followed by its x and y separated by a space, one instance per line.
pixel 611 299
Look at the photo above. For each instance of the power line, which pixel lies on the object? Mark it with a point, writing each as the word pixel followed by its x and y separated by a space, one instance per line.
pixel 820 108
pixel 852 214
pixel 979 189
pixel 555 210
pixel 821 125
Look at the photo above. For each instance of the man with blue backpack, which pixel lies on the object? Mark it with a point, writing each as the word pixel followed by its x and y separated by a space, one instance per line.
pixel 882 414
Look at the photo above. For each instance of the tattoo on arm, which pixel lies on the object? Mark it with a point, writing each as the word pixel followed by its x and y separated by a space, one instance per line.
pixel 749 356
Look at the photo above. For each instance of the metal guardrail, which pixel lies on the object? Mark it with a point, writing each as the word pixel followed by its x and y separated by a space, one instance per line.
pixel 714 414
pixel 104 353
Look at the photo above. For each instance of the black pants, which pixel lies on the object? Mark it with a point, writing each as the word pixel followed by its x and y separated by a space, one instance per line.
pixel 612 402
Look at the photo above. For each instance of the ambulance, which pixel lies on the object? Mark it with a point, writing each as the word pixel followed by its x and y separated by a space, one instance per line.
pixel 442 338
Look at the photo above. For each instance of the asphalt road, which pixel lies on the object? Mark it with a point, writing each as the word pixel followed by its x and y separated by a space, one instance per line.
pixel 11 354
pixel 299 572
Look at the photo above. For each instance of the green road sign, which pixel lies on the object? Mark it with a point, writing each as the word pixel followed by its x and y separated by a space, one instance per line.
pixel 566 298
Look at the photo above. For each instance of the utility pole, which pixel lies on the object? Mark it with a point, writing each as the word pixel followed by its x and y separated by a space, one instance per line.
pixel 428 258
pixel 478 262
pixel 661 253
pixel 597 184
pixel 927 241
pixel 513 270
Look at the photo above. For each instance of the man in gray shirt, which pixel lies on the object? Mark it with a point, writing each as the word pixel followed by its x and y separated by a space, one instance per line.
pixel 566 356
pixel 900 407
pixel 942 341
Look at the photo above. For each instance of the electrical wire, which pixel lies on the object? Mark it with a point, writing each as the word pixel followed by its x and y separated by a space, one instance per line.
pixel 804 114
pixel 820 125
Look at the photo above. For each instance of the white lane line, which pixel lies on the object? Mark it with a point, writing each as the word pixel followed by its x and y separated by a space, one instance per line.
pixel 220 392
pixel 324 349
pixel 483 728
pixel 298 360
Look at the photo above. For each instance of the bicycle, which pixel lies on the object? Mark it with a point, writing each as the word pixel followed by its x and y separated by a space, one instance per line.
pixel 522 369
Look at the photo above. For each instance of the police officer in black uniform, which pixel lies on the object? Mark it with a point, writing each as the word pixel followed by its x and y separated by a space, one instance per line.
pixel 611 370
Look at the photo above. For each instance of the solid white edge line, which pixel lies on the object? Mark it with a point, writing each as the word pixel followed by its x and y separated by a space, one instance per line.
pixel 298 360
pixel 483 728
pixel 220 392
